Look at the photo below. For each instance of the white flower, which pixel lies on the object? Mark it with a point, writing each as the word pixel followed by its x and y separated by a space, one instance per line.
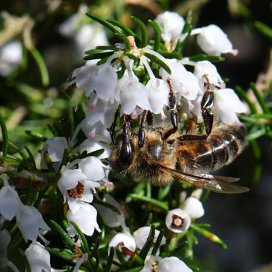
pixel 90 146
pixel 89 36
pixel 30 222
pixel 55 149
pixel 158 93
pixel 101 111
pixel 102 79
pixel 207 69
pixel 85 216
pixel 75 186
pixel 93 168
pixel 38 258
pixel 98 132
pixel 132 94
pixel 169 264
pixel 9 200
pixel 213 41
pixel 171 24
pixel 178 220
pixel 141 235
pixel 110 217
pixel 11 55
pixel 125 243
pixel 193 207
pixel 227 105
pixel 184 83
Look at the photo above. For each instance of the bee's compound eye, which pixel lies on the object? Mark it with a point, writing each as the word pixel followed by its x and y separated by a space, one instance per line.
pixel 125 155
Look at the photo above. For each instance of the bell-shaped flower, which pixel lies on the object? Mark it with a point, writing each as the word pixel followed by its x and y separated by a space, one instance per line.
pixel 97 132
pixel 85 216
pixel 30 222
pixel 132 94
pixel 90 146
pixel 169 264
pixel 207 69
pixel 38 258
pixel 89 36
pixel 102 79
pixel 158 95
pixel 111 217
pixel 93 168
pixel 178 220
pixel 101 111
pixel 193 207
pixel 125 243
pixel 141 235
pixel 75 186
pixel 11 55
pixel 9 200
pixel 171 24
pixel 54 149
pixel 184 83
pixel 213 41
pixel 227 105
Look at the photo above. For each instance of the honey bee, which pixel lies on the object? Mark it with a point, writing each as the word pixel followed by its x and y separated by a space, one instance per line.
pixel 164 153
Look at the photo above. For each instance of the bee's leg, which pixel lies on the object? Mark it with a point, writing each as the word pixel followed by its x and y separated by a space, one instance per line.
pixel 207 111
pixel 208 118
pixel 172 111
pixel 141 132
pixel 125 150
pixel 111 129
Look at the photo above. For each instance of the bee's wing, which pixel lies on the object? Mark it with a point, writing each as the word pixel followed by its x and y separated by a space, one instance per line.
pixel 214 183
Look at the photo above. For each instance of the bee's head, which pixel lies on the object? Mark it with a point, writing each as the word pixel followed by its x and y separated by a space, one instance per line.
pixel 122 154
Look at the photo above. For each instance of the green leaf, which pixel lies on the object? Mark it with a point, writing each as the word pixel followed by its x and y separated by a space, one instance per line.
pixel 259 98
pixel 256 134
pixel 209 235
pixel 124 39
pixel 159 62
pixel 148 244
pixel 105 23
pixel 62 253
pixel 264 29
pixel 143 29
pixel 210 58
pixel 109 260
pixel 242 93
pixel 85 246
pixel 63 234
pixel 157 34
pixel 4 137
pixel 31 157
pixel 161 204
pixel 262 115
pixel 188 24
pixel 100 55
pixel 41 64
pixel 157 244
pixel 126 30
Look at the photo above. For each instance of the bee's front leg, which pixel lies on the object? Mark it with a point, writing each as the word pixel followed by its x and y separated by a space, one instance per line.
pixel 172 111
pixel 125 149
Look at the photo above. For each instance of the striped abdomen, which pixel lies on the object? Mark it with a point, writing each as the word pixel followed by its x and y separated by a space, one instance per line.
pixel 220 148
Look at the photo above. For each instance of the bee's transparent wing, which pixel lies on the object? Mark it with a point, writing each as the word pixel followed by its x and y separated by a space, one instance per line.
pixel 217 184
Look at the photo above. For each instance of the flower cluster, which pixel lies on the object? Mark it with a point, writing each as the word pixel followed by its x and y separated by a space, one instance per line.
pixel 128 80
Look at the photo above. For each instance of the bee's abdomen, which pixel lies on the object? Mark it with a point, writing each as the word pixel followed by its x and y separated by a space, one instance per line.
pixel 220 148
